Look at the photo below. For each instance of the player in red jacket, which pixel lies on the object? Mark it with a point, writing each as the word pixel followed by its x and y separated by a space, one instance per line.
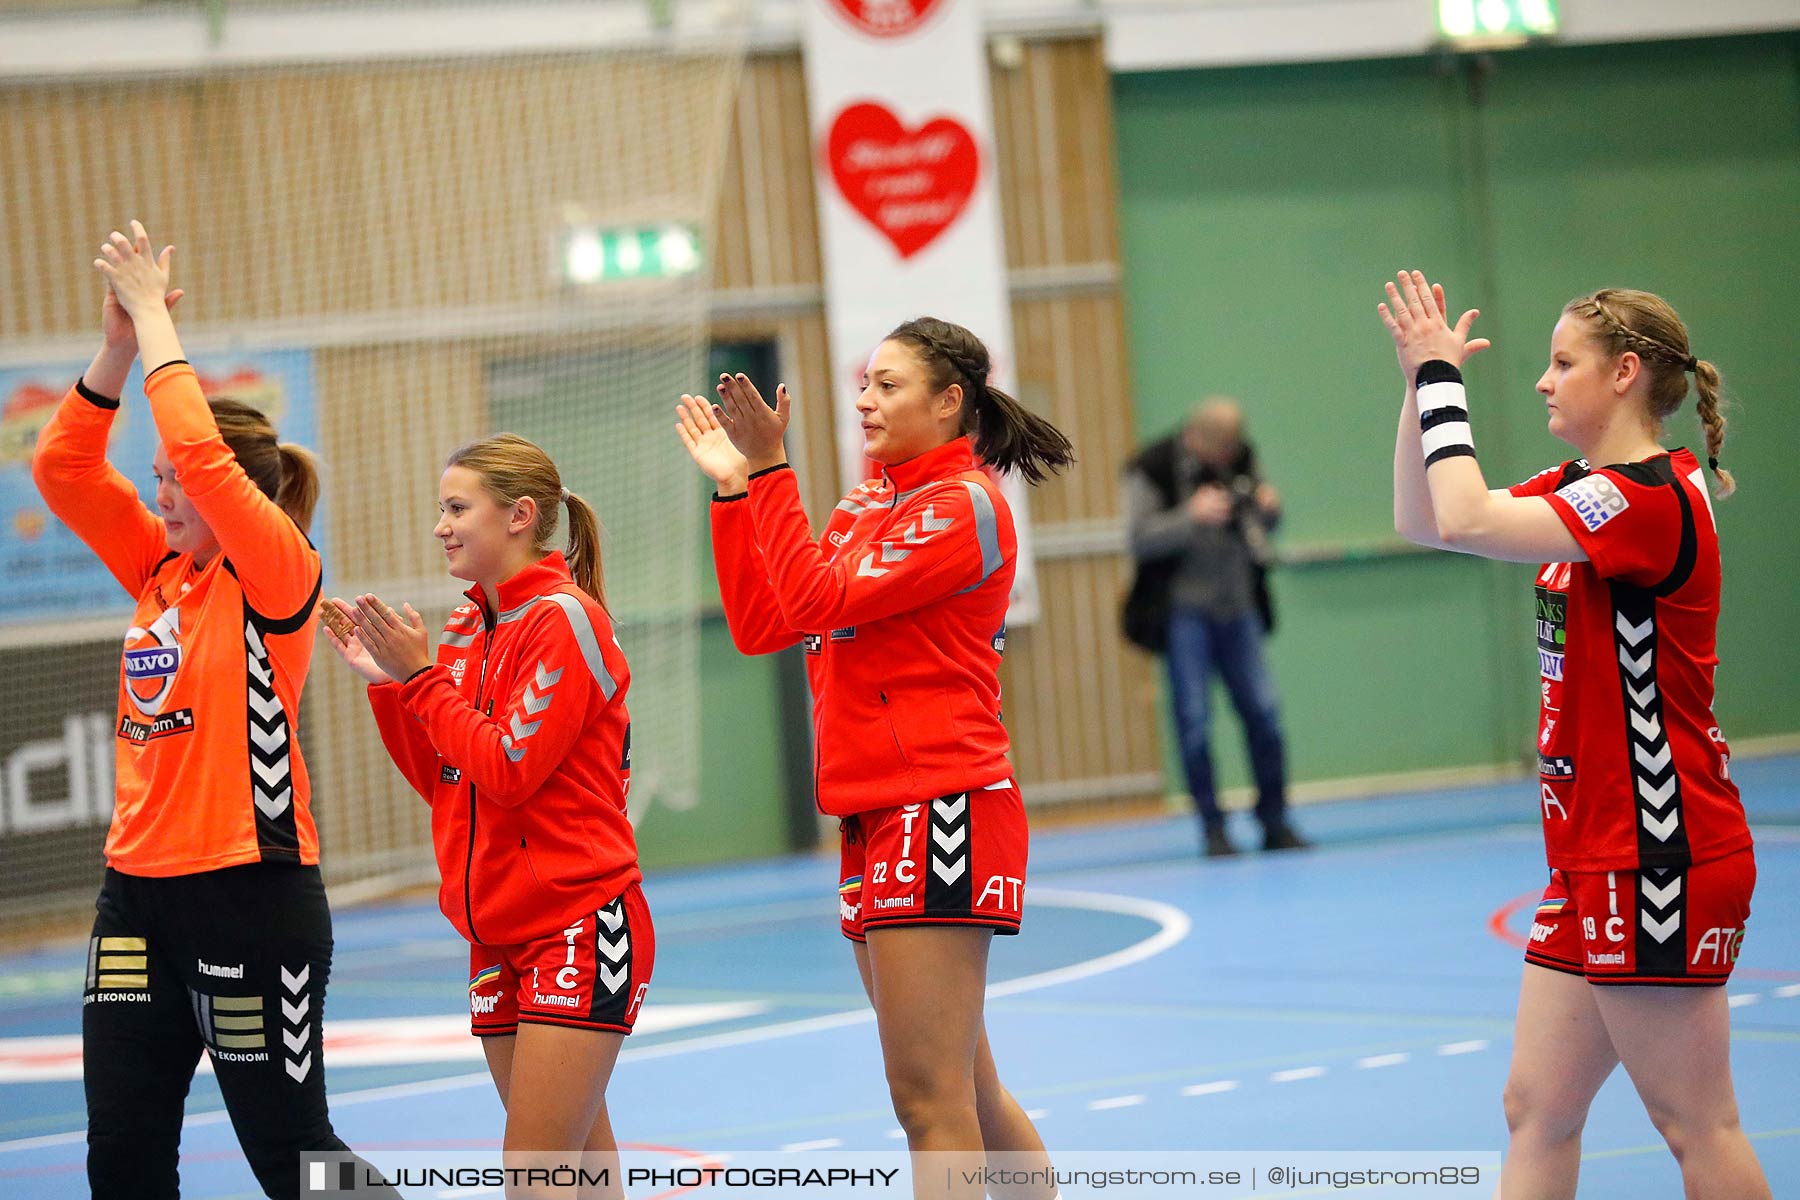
pixel 518 737
pixel 901 605
pixel 1650 856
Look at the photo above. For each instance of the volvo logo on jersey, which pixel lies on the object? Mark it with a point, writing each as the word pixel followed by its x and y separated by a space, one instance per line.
pixel 152 660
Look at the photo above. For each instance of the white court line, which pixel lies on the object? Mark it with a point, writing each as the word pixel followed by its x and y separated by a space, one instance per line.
pixel 1788 991
pixel 1741 999
pixel 1296 1074
pixel 817 1144
pixel 1463 1047
pixel 1382 1060
pixel 1172 926
pixel 1117 1102
pixel 1210 1089
pixel 362 1042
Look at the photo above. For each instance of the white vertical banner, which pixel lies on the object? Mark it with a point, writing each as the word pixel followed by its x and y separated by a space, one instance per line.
pixel 909 199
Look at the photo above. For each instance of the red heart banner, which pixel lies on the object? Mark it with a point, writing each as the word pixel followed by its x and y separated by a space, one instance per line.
pixel 886 18
pixel 910 184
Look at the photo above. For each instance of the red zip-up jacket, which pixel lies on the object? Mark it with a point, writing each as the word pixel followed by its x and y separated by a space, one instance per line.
pixel 902 606
pixel 519 740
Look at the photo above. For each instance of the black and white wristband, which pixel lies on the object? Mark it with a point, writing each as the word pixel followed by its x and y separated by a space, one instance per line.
pixel 1443 413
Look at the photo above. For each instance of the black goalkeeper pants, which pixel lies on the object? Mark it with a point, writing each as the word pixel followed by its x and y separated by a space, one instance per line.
pixel 233 962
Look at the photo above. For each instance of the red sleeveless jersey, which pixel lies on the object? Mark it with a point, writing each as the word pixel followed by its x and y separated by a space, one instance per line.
pixel 1633 769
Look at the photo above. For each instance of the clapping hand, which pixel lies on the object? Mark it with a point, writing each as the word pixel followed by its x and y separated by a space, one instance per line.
pixel 753 427
pixel 1415 316
pixel 697 424
pixel 337 616
pixel 139 282
pixel 115 322
pixel 395 642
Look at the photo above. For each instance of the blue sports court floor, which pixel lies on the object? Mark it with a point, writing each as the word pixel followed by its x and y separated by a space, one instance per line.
pixel 1357 996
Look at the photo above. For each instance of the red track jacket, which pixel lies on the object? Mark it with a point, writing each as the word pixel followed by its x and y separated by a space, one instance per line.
pixel 902 606
pixel 519 740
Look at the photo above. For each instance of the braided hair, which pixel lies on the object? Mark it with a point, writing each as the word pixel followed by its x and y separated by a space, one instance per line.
pixel 1624 319
pixel 1007 435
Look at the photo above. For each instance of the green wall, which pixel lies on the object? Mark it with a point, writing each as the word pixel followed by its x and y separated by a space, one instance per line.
pixel 1261 210
pixel 743 732
pixel 742 786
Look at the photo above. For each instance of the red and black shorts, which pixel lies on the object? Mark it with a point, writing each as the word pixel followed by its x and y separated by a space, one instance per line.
pixel 592 974
pixel 957 860
pixel 1680 926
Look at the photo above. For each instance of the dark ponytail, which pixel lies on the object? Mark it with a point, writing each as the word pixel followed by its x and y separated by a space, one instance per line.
pixel 285 473
pixel 1007 435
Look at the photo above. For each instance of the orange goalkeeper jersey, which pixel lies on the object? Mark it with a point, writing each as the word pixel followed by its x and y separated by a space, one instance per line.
pixel 208 771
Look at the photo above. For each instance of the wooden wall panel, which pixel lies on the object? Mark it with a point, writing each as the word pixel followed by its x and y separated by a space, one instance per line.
pixel 301 194
pixel 1058 178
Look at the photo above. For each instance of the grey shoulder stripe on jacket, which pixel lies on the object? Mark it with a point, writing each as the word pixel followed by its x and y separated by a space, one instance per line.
pixel 513 614
pixel 583 629
pixel 987 532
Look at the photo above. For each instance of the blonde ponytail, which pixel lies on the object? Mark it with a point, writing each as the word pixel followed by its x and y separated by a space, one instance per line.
pixel 1712 421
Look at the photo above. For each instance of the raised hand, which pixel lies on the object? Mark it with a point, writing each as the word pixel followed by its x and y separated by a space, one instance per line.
pixel 753 427
pixel 139 281
pixel 1415 318
pixel 396 643
pixel 115 322
pixel 697 424
pixel 340 630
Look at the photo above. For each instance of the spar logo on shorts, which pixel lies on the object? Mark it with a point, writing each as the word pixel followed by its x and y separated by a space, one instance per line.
pixel 1595 500
pixel 480 1005
pixel 850 898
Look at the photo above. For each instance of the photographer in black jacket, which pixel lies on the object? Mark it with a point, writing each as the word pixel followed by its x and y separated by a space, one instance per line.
pixel 1200 518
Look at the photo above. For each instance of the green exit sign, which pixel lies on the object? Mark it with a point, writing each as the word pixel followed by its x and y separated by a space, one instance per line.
pixel 595 254
pixel 1497 21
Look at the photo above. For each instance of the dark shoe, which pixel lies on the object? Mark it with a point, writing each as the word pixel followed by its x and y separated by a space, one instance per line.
pixel 1218 845
pixel 1283 837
